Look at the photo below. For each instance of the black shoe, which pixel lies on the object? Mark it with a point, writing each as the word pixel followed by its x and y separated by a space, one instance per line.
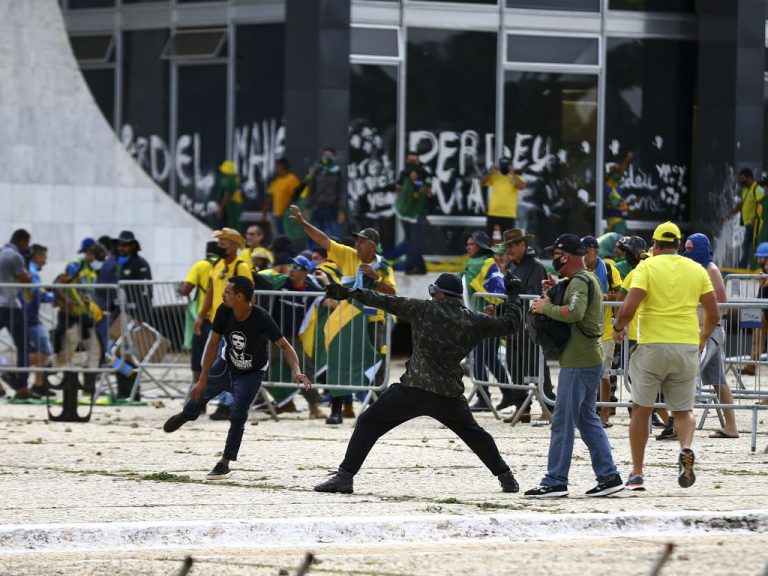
pixel 480 406
pixel 557 491
pixel 685 476
pixel 656 422
pixel 504 404
pixel 221 413
pixel 340 482
pixel 42 391
pixel 219 472
pixel 334 418
pixel 611 486
pixel 508 482
pixel 174 422
pixel 667 434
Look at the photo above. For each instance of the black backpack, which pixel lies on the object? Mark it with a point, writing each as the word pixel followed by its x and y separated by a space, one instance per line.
pixel 552 335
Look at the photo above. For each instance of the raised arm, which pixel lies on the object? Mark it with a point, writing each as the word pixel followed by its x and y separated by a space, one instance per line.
pixel 315 234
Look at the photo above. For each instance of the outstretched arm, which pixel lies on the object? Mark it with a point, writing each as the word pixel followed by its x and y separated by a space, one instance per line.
pixel 408 308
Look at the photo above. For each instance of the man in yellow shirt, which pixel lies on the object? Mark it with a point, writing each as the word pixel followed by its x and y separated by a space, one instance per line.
pixel 230 264
pixel 280 193
pixel 749 207
pixel 666 291
pixel 505 185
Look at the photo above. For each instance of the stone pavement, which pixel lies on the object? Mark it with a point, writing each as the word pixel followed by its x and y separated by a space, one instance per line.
pixel 121 467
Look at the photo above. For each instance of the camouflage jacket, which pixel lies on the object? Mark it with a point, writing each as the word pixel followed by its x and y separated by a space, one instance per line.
pixel 443 333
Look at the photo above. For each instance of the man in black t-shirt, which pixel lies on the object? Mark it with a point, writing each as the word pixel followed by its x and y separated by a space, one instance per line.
pixel 247 330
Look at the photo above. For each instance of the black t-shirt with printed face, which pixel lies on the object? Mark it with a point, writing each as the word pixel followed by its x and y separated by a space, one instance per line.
pixel 246 341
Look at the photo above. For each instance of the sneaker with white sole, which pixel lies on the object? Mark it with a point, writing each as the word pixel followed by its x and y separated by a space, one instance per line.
pixel 635 484
pixel 685 475
pixel 608 487
pixel 219 472
pixel 556 491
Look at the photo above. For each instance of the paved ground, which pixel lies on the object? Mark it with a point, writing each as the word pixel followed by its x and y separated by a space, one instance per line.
pixel 122 467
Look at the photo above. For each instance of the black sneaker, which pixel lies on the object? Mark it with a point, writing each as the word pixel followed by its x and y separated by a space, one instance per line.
pixel 334 419
pixel 340 482
pixel 657 422
pixel 667 434
pixel 610 486
pixel 685 475
pixel 221 413
pixel 219 472
pixel 508 482
pixel 557 491
pixel 175 422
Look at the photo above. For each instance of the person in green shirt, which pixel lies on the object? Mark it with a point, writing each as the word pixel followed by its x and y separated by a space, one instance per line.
pixel 580 368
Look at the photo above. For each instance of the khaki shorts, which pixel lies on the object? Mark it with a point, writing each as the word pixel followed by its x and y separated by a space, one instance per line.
pixel 608 347
pixel 667 368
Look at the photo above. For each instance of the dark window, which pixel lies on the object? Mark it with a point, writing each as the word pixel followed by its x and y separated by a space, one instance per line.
pixel 552 49
pixel 196 44
pixel 550 133
pixel 259 137
pixel 145 1
pixel 649 112
pixel 201 140
pixel 688 6
pixel 450 120
pixel 374 41
pixel 373 147
pixel 146 82
pixel 101 82
pixel 576 5
pixel 77 4
pixel 93 49
pixel 463 1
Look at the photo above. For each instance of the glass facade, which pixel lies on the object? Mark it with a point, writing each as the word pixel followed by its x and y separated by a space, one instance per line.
pixel 564 104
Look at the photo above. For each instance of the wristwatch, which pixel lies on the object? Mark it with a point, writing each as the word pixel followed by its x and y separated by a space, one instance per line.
pixel 617 329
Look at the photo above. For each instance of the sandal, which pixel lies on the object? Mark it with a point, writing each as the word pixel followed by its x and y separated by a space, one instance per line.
pixel 721 434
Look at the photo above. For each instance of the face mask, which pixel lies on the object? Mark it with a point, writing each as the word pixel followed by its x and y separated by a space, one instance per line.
pixel 411 166
pixel 96 265
pixel 122 260
pixel 219 252
pixel 504 169
pixel 557 264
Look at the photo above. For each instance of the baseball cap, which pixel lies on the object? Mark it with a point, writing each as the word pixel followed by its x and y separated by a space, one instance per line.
pixel 568 243
pixel 667 232
pixel 368 234
pixel 590 242
pixel 304 262
pixel 86 243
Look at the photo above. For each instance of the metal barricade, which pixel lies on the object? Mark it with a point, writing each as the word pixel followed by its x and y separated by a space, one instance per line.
pixel 157 319
pixel 59 334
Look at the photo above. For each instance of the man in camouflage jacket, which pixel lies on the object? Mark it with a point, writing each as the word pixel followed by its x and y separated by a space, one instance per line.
pixel 443 333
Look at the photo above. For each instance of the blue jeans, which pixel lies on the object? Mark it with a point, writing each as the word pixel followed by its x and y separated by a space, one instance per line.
pixel 244 388
pixel 746 247
pixel 13 320
pixel 575 408
pixel 325 219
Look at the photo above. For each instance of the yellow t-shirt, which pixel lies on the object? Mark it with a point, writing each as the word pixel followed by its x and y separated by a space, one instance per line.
pixel 502 197
pixel 608 311
pixel 221 272
pixel 347 260
pixel 199 276
pixel 673 285
pixel 750 199
pixel 632 326
pixel 281 189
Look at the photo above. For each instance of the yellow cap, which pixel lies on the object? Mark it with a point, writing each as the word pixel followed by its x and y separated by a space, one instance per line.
pixel 227 167
pixel 667 232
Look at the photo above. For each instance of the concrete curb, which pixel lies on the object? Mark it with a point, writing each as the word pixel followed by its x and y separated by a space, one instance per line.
pixel 359 530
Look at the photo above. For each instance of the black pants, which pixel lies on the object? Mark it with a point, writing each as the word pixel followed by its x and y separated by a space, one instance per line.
pixel 398 404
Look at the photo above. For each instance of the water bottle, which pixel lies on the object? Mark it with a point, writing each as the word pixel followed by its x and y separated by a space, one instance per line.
pixel 120 365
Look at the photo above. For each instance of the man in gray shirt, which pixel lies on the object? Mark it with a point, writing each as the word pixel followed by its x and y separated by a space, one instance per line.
pixel 13 269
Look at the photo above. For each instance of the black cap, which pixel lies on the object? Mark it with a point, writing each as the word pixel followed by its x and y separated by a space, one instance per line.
pixel 632 244
pixel 368 234
pixel 98 250
pixel 568 243
pixel 449 284
pixel 127 237
pixel 590 242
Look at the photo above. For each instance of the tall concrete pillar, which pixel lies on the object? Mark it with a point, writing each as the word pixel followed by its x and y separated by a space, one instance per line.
pixel 729 126
pixel 316 79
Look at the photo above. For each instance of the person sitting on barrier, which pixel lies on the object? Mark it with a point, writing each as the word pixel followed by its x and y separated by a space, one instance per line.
pixel 230 264
pixel 666 291
pixel 712 368
pixel 443 332
pixel 610 282
pixel 289 314
pixel 13 270
pixel 481 274
pixel 581 363
pixel 38 339
pixel 238 368
pixel 198 279
pixel 78 313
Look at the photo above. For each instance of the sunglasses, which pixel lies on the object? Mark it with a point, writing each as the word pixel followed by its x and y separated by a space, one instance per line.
pixel 296 268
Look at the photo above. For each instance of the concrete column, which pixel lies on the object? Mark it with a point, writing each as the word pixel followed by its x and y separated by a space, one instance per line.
pixel 316 80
